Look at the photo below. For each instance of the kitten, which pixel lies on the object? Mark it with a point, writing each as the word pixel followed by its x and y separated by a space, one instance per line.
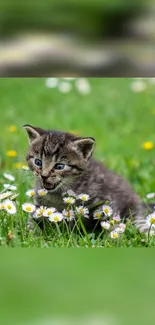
pixel 62 161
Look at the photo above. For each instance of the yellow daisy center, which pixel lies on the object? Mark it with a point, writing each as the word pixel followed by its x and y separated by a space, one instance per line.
pixel 98 214
pixel 40 212
pixel 115 235
pixel 49 213
pixel 56 218
pixel 152 220
pixel 29 209
pixel 106 210
pixel 9 206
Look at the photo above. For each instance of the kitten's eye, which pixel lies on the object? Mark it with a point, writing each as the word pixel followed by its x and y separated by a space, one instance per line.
pixel 38 162
pixel 59 166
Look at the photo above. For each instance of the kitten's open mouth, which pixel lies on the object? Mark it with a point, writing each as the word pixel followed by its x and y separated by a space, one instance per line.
pixel 51 187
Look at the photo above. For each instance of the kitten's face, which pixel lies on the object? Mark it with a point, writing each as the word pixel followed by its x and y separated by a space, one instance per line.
pixel 57 158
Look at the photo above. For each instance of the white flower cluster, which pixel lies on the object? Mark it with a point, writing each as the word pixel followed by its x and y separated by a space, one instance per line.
pixel 72 211
pixel 7 197
pixel 75 207
pixel 65 85
pixel 139 85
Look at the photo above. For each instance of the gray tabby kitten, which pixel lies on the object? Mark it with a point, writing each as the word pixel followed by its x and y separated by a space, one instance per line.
pixel 62 161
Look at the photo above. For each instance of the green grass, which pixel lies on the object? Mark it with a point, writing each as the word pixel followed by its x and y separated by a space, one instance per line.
pixel 120 121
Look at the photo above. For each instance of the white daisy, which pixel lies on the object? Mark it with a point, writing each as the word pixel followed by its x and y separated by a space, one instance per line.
pixel 121 228
pixel 56 217
pixel 30 193
pixel 64 87
pixel 150 195
pixel 10 187
pixel 42 192
pixel 28 207
pixel 138 86
pixel 69 78
pixel 5 195
pixel 10 207
pixel 107 210
pixel 97 214
pixel 82 210
pixel 69 200
pixel 48 212
pixel 68 214
pixel 51 82
pixel 6 185
pixel 114 234
pixel 152 80
pixel 13 197
pixel 2 206
pixel 150 220
pixel 39 212
pixel 83 86
pixel 122 225
pixel 105 225
pixel 70 193
pixel 10 177
pixel 117 218
pixel 83 197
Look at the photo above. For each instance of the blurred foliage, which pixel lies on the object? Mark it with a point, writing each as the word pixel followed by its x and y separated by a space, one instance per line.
pixel 88 18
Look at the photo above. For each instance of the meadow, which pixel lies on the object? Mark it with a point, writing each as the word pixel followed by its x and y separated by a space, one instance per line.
pixel 119 113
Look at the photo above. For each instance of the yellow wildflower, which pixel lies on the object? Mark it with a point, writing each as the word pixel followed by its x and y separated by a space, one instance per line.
pixel 75 132
pixel 11 153
pixel 20 165
pixel 148 145
pixel 12 128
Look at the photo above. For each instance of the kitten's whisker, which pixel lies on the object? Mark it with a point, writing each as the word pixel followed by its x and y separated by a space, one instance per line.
pixel 40 179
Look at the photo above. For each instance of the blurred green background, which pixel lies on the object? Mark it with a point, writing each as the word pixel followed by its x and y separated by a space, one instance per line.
pixel 104 287
pixel 120 120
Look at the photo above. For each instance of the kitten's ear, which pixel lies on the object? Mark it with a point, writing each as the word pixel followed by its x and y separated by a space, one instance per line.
pixel 85 146
pixel 33 132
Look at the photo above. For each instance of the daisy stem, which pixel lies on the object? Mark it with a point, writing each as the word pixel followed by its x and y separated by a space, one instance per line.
pixel 96 225
pixel 64 222
pixel 58 229
pixel 77 226
pixel 85 232
pixel 70 235
pixel 100 235
pixel 148 239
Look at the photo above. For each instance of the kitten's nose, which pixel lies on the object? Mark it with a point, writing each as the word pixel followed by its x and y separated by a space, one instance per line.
pixel 44 177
